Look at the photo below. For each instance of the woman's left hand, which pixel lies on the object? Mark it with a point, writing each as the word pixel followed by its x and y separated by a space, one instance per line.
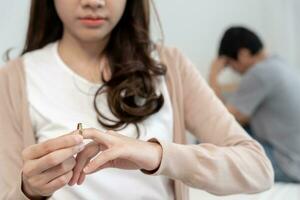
pixel 112 150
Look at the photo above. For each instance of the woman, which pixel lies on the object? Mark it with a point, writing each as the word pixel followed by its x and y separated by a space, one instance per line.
pixel 92 61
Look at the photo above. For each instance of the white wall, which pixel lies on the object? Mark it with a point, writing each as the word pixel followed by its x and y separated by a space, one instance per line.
pixel 13 25
pixel 282 28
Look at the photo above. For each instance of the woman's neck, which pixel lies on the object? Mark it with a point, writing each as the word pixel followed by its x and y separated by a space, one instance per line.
pixel 83 58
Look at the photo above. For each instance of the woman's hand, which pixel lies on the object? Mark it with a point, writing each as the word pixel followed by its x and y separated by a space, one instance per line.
pixel 115 151
pixel 48 166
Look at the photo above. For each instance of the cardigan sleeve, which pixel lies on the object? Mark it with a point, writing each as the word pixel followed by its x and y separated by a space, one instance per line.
pixel 228 160
pixel 11 138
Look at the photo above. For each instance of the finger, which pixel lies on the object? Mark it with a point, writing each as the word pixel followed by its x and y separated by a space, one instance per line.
pixel 109 164
pixel 56 171
pixel 78 171
pixel 59 182
pixel 38 150
pixel 38 166
pixel 91 150
pixel 103 158
pixel 81 178
pixel 83 175
pixel 97 136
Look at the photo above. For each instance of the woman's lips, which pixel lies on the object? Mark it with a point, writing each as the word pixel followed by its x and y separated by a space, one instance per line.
pixel 92 22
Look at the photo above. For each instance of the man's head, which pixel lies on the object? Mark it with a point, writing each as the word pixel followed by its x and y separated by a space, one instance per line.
pixel 241 47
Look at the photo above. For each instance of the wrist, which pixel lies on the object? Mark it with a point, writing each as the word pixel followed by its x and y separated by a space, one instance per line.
pixel 29 194
pixel 155 158
pixel 213 77
pixel 213 82
pixel 159 150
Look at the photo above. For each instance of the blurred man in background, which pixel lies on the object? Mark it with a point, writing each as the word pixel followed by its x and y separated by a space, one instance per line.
pixel 267 98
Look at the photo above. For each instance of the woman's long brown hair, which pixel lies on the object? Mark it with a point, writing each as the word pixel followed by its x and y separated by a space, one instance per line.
pixel 131 90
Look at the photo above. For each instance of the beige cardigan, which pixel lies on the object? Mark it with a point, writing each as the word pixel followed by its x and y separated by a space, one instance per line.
pixel 227 161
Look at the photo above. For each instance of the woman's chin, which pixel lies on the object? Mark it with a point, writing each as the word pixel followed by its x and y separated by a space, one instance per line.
pixel 92 36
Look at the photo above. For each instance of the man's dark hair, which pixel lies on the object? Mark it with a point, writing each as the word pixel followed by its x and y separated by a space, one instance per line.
pixel 236 38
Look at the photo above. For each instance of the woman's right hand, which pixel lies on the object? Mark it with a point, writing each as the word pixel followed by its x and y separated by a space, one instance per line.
pixel 48 166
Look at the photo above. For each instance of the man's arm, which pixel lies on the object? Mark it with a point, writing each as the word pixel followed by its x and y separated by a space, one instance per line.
pixel 241 118
pixel 216 68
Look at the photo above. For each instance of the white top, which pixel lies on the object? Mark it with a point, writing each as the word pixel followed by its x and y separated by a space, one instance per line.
pixel 59 99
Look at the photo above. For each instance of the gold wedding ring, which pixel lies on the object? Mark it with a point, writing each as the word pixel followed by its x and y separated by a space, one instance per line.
pixel 79 128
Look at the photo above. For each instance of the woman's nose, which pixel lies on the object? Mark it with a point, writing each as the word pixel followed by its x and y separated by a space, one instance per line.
pixel 93 3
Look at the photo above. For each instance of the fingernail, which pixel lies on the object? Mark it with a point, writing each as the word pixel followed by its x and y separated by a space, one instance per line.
pixel 71 181
pixel 71 184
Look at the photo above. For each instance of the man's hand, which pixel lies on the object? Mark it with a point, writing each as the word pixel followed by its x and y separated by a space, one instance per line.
pixel 216 68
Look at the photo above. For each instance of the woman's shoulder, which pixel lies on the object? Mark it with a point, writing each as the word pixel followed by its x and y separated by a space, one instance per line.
pixel 12 67
pixel 174 59
pixel 12 74
pixel 38 58
pixel 15 67
pixel 168 53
